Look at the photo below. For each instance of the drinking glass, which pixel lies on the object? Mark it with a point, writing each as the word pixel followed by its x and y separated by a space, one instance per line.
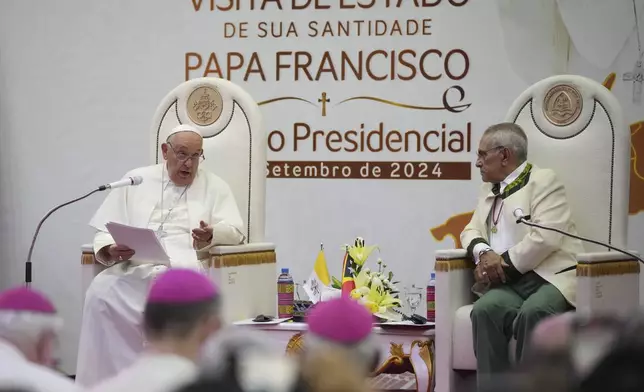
pixel 413 297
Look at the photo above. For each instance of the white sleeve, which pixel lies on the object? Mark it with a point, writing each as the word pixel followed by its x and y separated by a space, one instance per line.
pixel 101 240
pixel 478 248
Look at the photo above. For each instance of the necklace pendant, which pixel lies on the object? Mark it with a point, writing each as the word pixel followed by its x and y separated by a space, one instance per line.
pixel 494 230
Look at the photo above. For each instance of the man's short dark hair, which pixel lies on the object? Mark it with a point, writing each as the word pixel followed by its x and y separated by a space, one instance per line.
pixel 176 320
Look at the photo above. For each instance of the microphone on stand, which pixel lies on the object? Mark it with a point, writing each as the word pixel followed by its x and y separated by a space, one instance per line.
pixel 136 180
pixel 525 219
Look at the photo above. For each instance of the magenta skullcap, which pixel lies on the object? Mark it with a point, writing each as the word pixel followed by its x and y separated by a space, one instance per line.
pixel 181 285
pixel 341 320
pixel 23 299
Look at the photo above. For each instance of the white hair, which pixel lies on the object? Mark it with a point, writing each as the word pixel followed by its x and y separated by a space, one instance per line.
pixel 259 358
pixel 364 352
pixel 233 339
pixel 510 136
pixel 26 327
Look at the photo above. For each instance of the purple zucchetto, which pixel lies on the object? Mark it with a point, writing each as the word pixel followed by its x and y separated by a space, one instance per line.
pixel 180 285
pixel 23 299
pixel 342 320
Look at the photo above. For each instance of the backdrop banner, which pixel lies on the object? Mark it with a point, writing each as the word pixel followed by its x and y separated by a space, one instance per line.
pixel 373 110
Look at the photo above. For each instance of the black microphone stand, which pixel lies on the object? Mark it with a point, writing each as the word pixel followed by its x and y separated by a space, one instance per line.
pixel 33 240
pixel 524 220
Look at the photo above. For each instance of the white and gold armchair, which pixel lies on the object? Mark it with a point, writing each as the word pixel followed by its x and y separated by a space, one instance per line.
pixel 235 146
pixel 575 126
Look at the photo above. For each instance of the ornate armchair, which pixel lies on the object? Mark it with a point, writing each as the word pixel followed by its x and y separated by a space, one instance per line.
pixel 235 149
pixel 574 126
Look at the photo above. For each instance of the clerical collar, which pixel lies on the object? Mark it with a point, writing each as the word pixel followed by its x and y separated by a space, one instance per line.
pixel 514 181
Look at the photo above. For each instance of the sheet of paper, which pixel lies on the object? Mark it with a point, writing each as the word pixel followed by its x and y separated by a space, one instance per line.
pixel 317 291
pixel 145 243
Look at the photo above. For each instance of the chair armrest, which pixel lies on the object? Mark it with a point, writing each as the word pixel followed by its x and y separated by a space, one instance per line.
pixel 607 282
pixel 217 250
pixel 603 257
pixel 245 248
pixel 448 260
pixel 89 258
pixel 450 254
pixel 454 279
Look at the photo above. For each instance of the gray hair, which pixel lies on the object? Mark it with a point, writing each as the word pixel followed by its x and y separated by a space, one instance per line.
pixel 234 340
pixel 510 136
pixel 365 352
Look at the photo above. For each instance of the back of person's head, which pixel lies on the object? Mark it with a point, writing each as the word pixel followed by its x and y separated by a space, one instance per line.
pixel 181 304
pixel 232 340
pixel 248 370
pixel 620 369
pixel 331 370
pixel 590 353
pixel 551 371
pixel 345 325
pixel 28 321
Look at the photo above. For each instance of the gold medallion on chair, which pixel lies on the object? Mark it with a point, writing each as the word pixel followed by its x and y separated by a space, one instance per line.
pixel 204 105
pixel 562 105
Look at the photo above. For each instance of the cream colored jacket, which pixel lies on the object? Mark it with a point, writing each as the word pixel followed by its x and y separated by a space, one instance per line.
pixel 543 197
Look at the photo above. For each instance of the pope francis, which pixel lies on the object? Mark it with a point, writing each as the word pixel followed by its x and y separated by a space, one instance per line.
pixel 518 268
pixel 189 209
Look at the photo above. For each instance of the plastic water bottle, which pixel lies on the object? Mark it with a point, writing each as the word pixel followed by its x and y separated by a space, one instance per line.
pixel 285 294
pixel 431 298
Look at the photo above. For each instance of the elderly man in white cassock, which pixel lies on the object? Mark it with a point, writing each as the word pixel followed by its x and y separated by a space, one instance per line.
pixel 29 325
pixel 190 209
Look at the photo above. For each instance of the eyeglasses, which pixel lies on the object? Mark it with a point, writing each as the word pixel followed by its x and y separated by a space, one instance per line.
pixel 182 156
pixel 483 154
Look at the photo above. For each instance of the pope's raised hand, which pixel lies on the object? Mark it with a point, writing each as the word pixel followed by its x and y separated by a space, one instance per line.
pixel 202 235
pixel 120 253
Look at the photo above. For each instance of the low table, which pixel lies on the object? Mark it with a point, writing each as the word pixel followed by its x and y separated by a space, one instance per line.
pixel 405 350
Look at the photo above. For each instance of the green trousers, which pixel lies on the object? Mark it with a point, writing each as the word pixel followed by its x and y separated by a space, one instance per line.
pixel 507 311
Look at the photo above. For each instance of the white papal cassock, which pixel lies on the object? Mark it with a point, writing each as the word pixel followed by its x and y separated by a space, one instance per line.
pixel 111 332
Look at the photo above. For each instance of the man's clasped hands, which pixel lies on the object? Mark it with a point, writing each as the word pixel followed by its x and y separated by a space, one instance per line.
pixel 490 268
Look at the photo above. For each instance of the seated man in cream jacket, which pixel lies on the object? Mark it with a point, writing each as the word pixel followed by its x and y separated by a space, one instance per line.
pixel 518 271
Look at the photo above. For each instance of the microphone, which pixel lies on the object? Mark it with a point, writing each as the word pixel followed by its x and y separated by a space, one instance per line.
pixel 136 180
pixel 518 213
pixel 522 218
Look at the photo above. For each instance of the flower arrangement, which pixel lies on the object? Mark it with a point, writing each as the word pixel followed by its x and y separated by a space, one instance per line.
pixel 375 289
